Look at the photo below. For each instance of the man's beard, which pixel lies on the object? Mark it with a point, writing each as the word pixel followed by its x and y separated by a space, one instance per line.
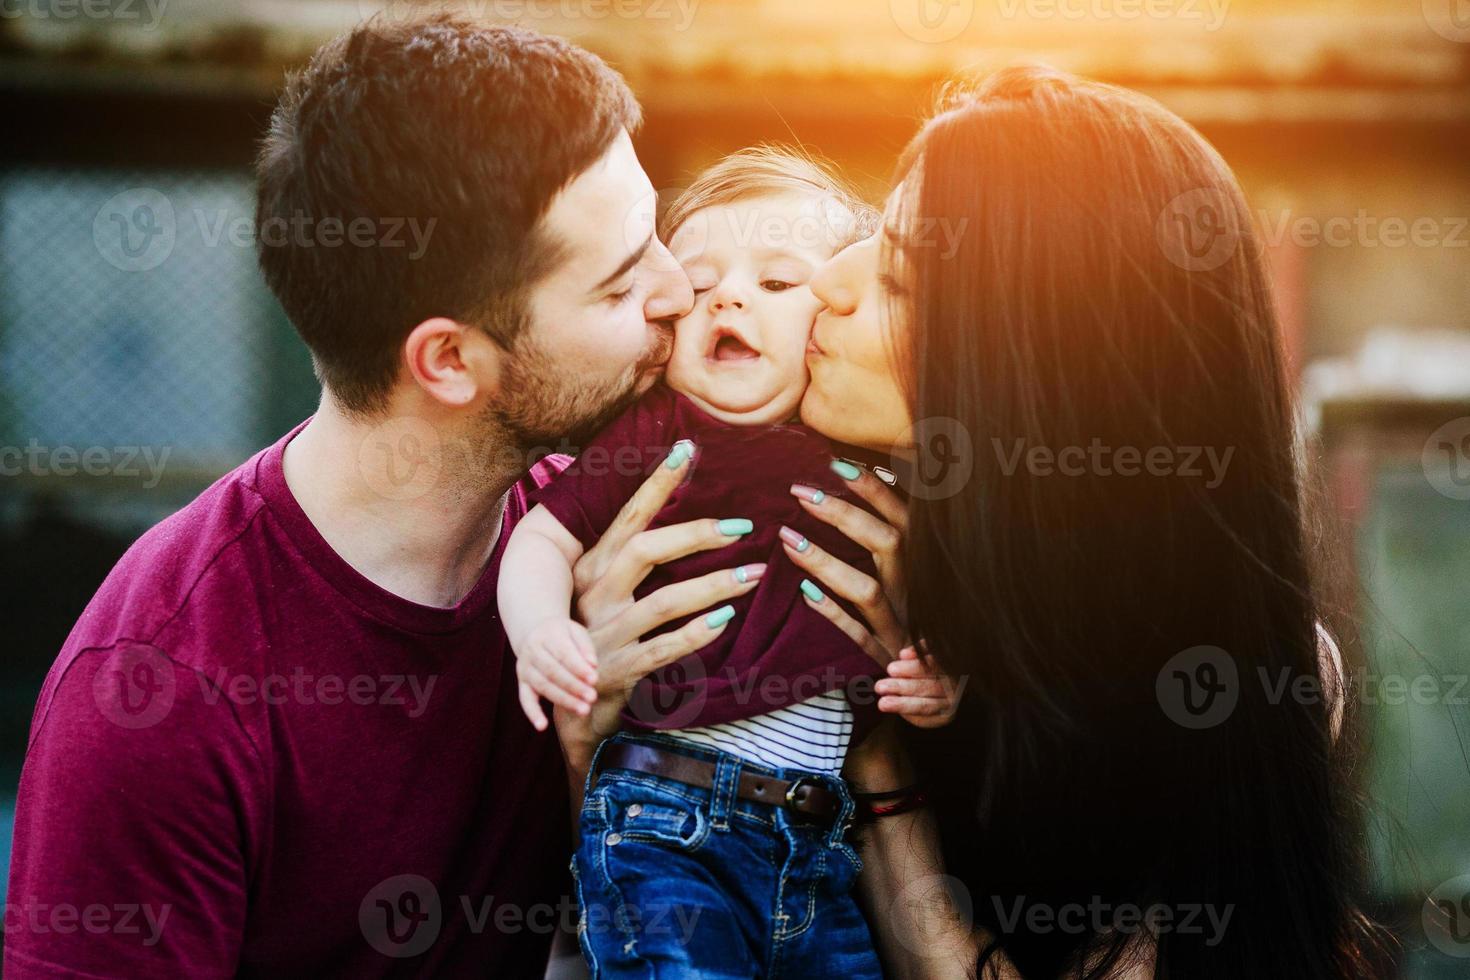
pixel 542 407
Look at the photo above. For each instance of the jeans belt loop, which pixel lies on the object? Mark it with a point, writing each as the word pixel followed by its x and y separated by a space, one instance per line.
pixel 722 795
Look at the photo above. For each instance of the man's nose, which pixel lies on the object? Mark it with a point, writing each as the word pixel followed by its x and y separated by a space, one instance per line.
pixel 671 295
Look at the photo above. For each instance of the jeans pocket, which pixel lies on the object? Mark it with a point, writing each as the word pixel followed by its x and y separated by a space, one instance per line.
pixel 639 812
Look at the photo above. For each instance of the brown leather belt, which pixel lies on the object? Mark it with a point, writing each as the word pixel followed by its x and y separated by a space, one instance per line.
pixel 804 795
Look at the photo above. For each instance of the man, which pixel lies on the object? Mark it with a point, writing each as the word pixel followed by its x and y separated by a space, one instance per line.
pixel 284 738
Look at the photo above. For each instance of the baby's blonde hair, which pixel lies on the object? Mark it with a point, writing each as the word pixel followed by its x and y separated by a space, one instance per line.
pixel 772 168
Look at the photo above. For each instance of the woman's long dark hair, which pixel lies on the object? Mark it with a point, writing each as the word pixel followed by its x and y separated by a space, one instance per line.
pixel 1078 270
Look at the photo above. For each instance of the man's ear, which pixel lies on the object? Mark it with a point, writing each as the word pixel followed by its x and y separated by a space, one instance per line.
pixel 453 362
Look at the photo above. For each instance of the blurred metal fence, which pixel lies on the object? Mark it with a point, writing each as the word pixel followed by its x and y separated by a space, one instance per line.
pixel 138 344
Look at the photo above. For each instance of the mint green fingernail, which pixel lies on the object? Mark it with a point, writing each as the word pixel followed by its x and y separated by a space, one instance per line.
pixel 733 526
pixel 845 469
pixel 719 617
pixel 682 450
pixel 741 575
pixel 811 591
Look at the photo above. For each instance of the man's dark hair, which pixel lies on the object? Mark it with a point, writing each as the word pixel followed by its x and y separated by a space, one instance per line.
pixel 473 128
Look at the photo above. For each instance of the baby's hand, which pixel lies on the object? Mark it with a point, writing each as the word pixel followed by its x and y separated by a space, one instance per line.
pixel 918 691
pixel 556 661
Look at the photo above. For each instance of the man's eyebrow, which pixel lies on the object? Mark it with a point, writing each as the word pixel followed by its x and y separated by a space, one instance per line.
pixel 628 263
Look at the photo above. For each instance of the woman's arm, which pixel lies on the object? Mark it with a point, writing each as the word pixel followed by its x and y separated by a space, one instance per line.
pixel 918 929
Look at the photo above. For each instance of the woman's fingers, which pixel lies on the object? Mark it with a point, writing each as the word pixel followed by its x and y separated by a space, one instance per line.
pixel 662 650
pixel 855 630
pixel 680 599
pixel 881 496
pixel 859 588
pixel 645 550
pixel 634 516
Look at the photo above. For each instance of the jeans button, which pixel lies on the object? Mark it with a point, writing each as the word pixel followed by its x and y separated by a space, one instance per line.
pixel 614 838
pixel 635 809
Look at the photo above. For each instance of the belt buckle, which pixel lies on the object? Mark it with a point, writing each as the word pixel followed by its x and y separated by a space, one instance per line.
pixel 796 785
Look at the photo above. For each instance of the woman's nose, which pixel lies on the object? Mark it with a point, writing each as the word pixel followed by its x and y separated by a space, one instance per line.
pixel 827 285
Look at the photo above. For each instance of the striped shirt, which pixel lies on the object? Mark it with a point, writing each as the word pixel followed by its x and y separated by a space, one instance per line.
pixel 812 736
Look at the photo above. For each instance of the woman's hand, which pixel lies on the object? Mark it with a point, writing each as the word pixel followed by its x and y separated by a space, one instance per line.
pixel 603 581
pixel 882 601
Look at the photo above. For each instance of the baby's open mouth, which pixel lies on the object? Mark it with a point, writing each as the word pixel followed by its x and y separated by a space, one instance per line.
pixel 729 347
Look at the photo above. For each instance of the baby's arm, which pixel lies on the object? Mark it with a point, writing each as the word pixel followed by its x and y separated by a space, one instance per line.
pixel 555 657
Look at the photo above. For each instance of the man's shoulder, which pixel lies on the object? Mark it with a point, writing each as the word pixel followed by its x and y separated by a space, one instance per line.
pixel 173 564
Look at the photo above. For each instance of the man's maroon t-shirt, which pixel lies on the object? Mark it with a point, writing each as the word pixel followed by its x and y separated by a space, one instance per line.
pixel 777 651
pixel 249 759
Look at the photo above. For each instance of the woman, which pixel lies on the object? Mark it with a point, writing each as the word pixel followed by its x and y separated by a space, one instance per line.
pixel 1144 777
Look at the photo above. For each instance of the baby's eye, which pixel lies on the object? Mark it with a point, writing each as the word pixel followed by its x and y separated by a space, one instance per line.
pixel 776 285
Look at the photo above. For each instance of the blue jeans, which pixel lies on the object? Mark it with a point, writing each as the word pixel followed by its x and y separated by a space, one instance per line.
pixel 676 881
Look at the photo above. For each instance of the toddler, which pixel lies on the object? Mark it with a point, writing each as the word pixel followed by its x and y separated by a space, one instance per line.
pixel 713 831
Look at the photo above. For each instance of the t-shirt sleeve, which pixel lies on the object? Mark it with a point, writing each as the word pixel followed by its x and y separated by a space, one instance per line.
pixel 138 804
pixel 588 494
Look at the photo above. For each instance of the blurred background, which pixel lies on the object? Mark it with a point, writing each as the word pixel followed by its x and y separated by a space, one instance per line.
pixel 141 356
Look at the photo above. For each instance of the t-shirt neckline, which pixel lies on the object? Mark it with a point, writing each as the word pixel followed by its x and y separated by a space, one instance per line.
pixel 372 598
